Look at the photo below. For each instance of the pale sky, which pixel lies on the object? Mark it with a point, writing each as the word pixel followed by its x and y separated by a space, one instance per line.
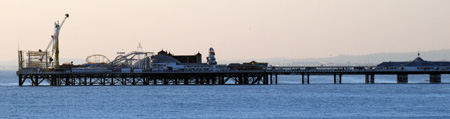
pixel 236 29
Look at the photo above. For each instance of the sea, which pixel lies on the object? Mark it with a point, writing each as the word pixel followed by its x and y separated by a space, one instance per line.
pixel 288 99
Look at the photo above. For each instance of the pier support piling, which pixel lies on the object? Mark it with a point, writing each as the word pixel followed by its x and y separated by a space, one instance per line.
pixel 134 81
pixel 307 78
pixel 402 78
pixel 303 78
pixel 435 78
pixel 334 78
pixel 276 78
pixel 372 78
pixel 185 81
pixel 166 82
pixel 20 80
pixel 112 80
pixel 85 81
pixel 155 81
pixel 67 81
pixel 367 78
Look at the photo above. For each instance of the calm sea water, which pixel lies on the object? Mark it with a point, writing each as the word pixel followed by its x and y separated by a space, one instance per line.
pixel 289 99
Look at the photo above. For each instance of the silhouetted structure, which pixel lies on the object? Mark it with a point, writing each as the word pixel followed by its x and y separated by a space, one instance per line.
pixel 196 58
pixel 416 64
pixel 253 65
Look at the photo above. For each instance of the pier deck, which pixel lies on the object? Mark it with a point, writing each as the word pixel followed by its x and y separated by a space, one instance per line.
pixel 54 78
pixel 402 75
pixel 268 76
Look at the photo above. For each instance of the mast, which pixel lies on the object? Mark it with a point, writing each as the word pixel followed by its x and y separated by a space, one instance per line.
pixel 56 40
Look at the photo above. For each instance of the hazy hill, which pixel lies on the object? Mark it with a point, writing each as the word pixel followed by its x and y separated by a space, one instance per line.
pixel 370 59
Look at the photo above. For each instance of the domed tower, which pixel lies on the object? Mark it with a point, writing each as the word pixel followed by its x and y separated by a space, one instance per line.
pixel 211 59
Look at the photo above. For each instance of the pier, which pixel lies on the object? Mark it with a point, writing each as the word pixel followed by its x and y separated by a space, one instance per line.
pixel 164 68
pixel 262 77
pixel 144 78
pixel 338 71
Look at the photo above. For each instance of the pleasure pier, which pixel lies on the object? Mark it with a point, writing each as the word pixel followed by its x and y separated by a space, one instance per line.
pixel 42 67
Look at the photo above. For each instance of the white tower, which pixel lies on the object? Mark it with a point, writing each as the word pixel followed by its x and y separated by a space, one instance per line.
pixel 211 59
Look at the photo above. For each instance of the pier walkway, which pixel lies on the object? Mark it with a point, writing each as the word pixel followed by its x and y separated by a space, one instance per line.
pixel 368 71
pixel 239 77
pixel 68 78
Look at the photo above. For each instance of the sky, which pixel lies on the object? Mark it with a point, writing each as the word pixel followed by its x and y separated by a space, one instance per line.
pixel 236 29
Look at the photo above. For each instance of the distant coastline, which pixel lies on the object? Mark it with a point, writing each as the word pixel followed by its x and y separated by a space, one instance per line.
pixel 352 60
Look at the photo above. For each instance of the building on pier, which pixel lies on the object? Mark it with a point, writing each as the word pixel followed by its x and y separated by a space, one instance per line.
pixel 196 58
pixel 167 61
pixel 416 64
pixel 253 65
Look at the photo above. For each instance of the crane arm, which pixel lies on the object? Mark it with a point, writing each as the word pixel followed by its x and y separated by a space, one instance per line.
pixel 49 44
pixel 62 23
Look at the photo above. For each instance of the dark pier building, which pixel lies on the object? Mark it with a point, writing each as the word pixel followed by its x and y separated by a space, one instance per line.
pixel 196 58
pixel 417 65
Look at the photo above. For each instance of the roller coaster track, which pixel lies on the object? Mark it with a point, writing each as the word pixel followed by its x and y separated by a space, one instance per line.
pixel 125 59
pixel 88 59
